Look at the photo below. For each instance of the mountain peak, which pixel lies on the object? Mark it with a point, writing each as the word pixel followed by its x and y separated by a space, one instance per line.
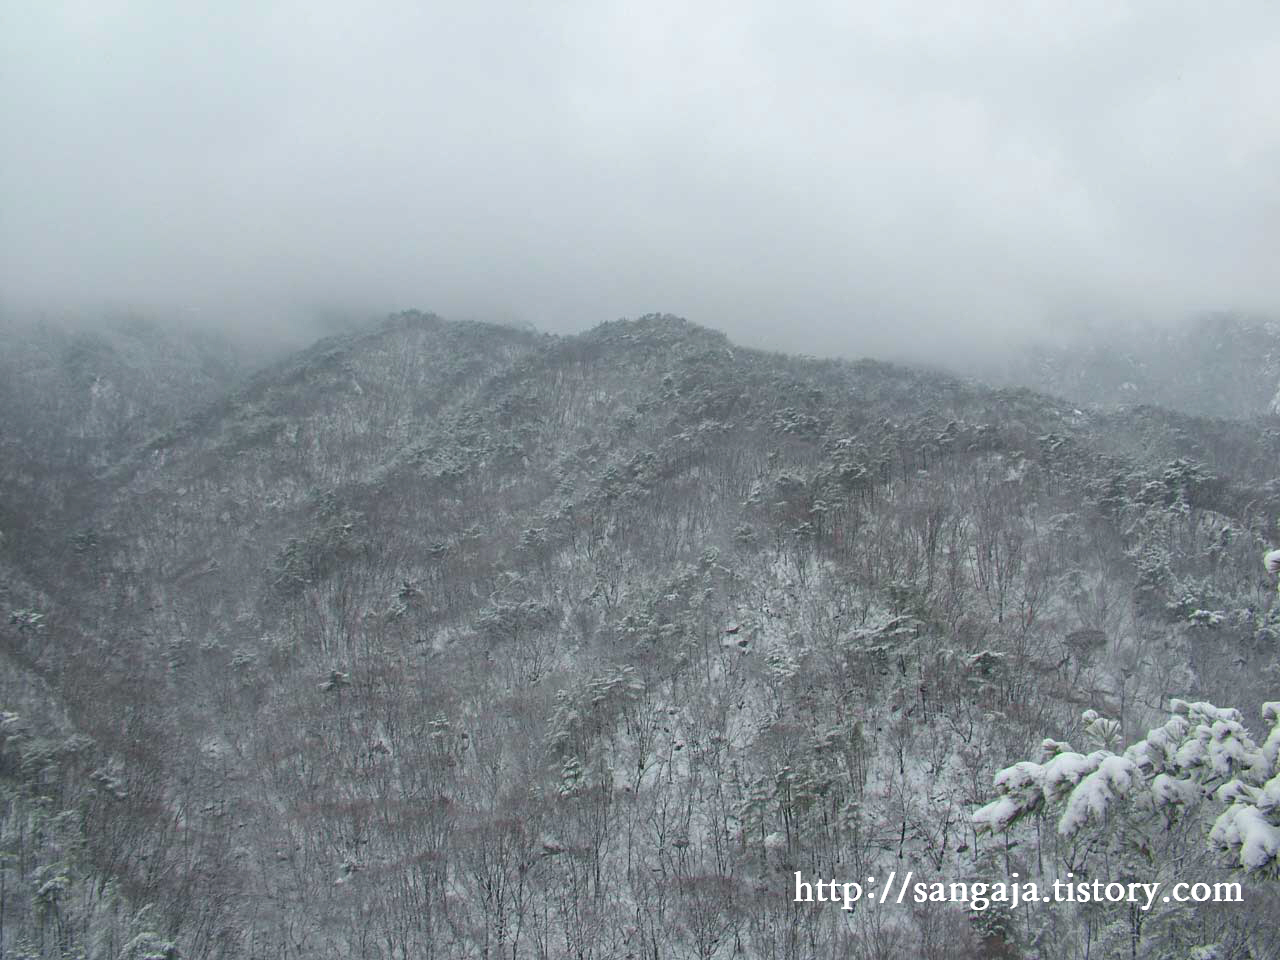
pixel 657 328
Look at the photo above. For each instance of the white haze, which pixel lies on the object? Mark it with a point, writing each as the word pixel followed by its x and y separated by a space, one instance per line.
pixel 917 179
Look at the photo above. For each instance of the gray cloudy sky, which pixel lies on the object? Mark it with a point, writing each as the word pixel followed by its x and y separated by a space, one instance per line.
pixel 859 177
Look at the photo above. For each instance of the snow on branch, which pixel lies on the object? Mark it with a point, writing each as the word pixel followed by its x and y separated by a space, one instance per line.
pixel 1202 757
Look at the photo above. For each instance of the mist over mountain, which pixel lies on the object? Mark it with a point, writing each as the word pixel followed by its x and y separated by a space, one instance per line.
pixel 454 639
pixel 916 601
pixel 1222 365
pixel 899 181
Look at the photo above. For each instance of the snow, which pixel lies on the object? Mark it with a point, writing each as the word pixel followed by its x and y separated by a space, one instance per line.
pixel 1271 747
pixel 1018 777
pixel 1066 770
pixel 1207 618
pixel 997 815
pixel 1244 826
pixel 1205 711
pixel 1235 792
pixel 1174 791
pixel 1092 797
pixel 1226 749
pixel 1161 745
pixel 1190 755
pixel 1269 798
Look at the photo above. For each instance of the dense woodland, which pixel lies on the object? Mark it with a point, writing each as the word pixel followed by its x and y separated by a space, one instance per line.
pixel 450 640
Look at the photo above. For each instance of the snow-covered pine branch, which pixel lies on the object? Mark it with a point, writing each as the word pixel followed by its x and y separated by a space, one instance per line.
pixel 1202 755
pixel 1271 560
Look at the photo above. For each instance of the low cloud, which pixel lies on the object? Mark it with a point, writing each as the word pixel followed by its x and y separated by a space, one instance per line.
pixel 910 180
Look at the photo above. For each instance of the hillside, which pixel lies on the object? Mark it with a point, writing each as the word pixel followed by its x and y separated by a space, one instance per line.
pixel 453 640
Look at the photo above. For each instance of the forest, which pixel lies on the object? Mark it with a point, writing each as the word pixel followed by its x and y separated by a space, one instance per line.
pixel 443 639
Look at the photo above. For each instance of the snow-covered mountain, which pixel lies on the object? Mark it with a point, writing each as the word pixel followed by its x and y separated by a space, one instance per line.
pixel 453 640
